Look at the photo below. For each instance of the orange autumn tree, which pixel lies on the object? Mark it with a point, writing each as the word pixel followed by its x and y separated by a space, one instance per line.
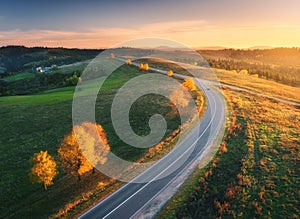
pixel 179 98
pixel 146 67
pixel 189 84
pixel 44 168
pixel 141 66
pixel 85 140
pixel 128 62
pixel 170 73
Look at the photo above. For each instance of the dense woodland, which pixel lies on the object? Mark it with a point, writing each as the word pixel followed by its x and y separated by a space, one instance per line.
pixel 40 82
pixel 17 59
pixel 276 56
pixel 280 64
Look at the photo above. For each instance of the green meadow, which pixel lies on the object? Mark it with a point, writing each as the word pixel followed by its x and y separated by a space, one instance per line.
pixel 32 123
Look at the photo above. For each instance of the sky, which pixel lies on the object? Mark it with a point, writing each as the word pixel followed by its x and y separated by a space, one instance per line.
pixel 105 23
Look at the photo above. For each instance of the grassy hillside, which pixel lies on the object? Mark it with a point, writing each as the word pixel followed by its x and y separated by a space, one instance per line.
pixel 260 85
pixel 37 122
pixel 242 80
pixel 255 173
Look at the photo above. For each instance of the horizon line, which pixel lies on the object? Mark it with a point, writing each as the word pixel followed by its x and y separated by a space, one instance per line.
pixel 195 48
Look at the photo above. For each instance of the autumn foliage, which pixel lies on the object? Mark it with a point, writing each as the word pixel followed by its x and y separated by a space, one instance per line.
pixel 44 168
pixel 85 140
pixel 144 66
pixel 189 84
pixel 170 73
pixel 179 98
pixel 223 148
pixel 128 62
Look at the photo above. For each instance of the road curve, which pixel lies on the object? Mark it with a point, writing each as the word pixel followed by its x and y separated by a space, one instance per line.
pixel 132 197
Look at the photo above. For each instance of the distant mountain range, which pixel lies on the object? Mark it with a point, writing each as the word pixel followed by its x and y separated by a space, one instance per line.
pixel 222 47
pixel 168 48
pixel 211 48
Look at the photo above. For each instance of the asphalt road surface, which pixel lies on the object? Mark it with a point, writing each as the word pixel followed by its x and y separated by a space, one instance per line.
pixel 130 198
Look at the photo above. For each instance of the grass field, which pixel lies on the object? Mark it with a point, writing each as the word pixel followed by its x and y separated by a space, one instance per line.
pixel 66 69
pixel 260 85
pixel 39 122
pixel 249 82
pixel 257 175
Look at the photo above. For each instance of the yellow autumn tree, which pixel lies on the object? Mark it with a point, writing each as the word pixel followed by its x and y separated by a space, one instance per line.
pixel 189 84
pixel 223 148
pixel 179 98
pixel 146 67
pixel 87 140
pixel 128 62
pixel 44 168
pixel 244 71
pixel 170 73
pixel 112 55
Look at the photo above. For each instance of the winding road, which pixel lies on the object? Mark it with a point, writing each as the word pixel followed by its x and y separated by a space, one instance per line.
pixel 133 198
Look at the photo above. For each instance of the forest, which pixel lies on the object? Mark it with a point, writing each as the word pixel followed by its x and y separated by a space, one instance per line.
pixel 280 64
pixel 17 59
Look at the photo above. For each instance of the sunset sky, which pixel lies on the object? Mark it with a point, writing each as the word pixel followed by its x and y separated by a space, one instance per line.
pixel 196 23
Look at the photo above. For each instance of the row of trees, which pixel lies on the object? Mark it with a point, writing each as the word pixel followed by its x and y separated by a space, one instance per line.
pixel 84 147
pixel 144 66
pixel 81 149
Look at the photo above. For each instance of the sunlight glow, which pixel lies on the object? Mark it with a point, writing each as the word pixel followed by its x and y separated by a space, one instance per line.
pixel 191 33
